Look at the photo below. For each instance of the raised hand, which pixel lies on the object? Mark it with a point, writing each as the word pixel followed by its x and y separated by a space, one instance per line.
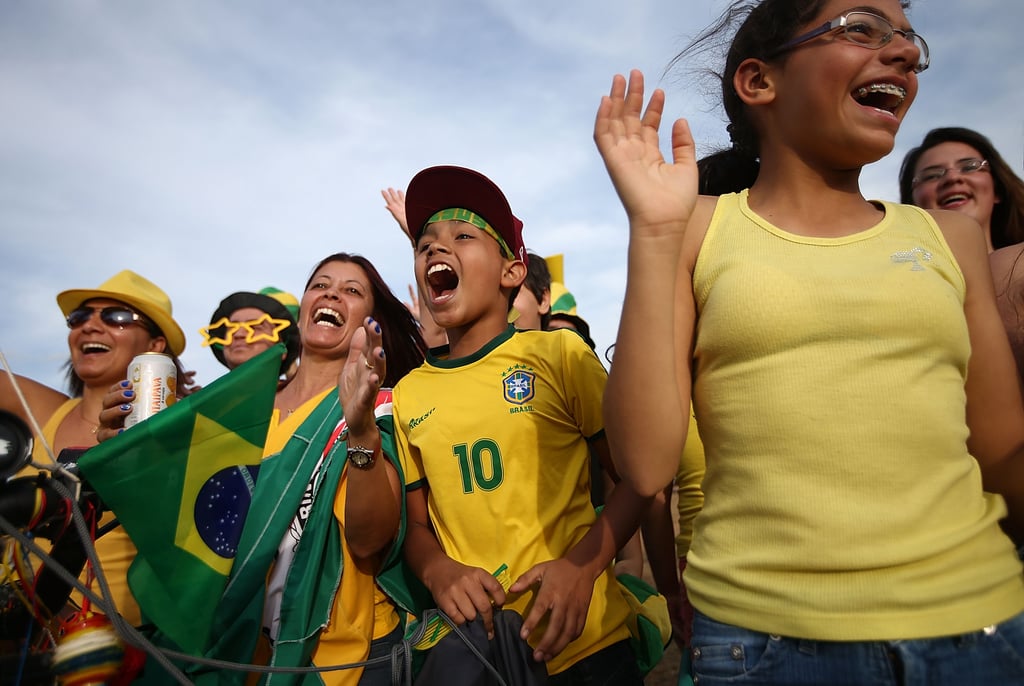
pixel 658 196
pixel 395 202
pixel 362 376
pixel 413 303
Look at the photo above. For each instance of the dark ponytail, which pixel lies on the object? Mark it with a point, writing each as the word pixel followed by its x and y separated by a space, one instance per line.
pixel 727 171
pixel 746 29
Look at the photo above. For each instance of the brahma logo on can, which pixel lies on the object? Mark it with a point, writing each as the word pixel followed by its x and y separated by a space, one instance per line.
pixel 155 380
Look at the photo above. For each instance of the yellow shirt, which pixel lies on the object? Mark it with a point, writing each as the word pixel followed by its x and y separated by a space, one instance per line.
pixel 690 497
pixel 840 502
pixel 115 550
pixel 500 438
pixel 361 611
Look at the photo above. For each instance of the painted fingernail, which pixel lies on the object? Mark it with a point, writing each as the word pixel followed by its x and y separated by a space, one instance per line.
pixel 382 354
pixel 120 431
pixel 129 394
pixel 126 408
pixel 124 384
pixel 376 328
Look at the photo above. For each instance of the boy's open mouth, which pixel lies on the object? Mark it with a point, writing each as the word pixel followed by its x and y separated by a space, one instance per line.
pixel 442 280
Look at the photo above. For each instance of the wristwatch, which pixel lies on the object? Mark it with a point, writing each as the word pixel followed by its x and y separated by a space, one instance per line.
pixel 360 457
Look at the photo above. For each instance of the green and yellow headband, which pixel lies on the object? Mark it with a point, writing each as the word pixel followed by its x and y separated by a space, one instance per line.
pixel 470 217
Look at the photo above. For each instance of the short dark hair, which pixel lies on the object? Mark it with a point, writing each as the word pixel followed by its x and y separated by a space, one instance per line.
pixel 538 280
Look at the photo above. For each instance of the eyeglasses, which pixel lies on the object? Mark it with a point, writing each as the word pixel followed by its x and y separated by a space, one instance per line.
pixel 223 331
pixel 935 174
pixel 114 315
pixel 864 29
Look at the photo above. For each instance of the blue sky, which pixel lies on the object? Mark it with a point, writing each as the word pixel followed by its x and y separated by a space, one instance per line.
pixel 224 146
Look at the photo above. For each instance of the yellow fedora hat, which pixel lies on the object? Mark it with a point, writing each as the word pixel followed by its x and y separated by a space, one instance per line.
pixel 137 291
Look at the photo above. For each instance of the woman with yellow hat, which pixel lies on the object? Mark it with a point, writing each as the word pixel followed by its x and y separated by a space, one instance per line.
pixel 108 326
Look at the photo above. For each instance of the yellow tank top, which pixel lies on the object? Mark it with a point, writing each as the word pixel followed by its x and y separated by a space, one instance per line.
pixel 114 550
pixel 39 453
pixel 840 500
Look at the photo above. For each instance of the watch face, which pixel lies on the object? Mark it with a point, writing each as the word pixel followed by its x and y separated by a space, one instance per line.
pixel 360 458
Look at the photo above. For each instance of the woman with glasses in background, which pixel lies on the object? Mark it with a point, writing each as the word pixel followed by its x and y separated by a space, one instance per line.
pixel 959 169
pixel 127 315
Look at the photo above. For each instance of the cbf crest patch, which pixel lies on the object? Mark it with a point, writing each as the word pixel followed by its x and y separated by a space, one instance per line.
pixel 518 384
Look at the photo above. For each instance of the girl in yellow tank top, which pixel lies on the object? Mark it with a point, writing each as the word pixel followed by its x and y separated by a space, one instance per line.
pixel 845 360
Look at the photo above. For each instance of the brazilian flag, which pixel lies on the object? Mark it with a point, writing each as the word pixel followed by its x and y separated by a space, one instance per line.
pixel 180 484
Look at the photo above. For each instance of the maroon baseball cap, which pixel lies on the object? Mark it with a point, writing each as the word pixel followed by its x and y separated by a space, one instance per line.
pixel 445 188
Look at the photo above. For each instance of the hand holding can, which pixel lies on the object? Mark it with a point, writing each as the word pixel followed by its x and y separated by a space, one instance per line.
pixel 154 379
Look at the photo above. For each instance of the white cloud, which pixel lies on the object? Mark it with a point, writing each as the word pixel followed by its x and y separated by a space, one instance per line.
pixel 217 147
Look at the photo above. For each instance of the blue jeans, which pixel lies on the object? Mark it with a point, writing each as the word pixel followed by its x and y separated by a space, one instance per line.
pixel 726 654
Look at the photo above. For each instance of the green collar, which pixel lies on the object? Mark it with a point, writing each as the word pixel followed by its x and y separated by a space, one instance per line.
pixel 437 357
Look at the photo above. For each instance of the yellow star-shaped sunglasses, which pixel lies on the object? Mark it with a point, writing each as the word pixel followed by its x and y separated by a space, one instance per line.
pixel 223 331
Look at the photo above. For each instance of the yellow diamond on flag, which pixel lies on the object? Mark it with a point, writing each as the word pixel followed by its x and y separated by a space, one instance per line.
pixel 209 523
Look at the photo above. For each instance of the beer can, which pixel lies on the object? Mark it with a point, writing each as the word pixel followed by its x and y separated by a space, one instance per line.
pixel 155 380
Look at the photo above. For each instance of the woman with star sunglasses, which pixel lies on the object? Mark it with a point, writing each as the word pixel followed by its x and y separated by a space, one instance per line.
pixel 107 326
pixel 854 392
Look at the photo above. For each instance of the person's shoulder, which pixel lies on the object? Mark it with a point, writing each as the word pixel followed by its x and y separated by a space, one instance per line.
pixel 956 226
pixel 410 376
pixel 1008 264
pixel 963 235
pixel 697 228
pixel 570 338
pixel 541 342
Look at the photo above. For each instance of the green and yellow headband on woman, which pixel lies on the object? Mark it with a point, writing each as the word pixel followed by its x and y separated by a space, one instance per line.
pixel 470 217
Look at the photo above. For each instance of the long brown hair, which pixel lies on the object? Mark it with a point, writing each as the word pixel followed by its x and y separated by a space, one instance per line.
pixel 1007 215
pixel 402 341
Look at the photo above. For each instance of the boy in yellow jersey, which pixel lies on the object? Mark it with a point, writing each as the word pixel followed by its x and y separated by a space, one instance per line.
pixel 494 432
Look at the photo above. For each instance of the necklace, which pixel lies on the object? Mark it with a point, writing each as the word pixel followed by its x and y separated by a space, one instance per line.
pixel 95 425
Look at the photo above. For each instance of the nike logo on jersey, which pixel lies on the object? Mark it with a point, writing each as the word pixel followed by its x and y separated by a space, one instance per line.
pixel 413 423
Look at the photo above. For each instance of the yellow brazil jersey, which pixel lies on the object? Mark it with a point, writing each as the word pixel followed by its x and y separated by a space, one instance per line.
pixel 500 439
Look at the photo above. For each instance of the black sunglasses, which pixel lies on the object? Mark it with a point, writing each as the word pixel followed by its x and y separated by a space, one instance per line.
pixel 115 315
